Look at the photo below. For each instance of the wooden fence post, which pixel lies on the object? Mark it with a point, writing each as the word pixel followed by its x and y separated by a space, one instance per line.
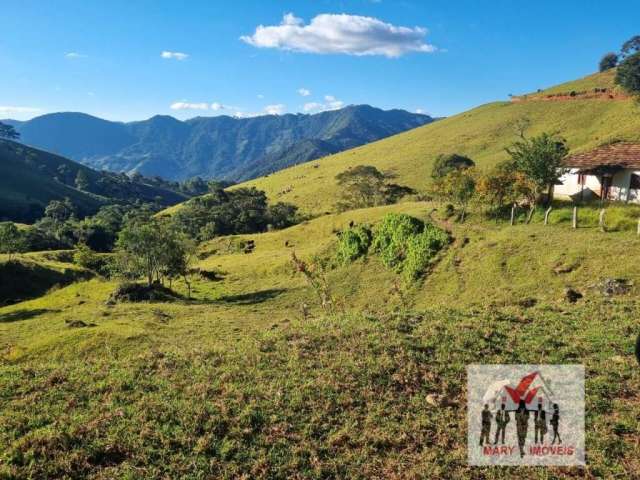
pixel 513 213
pixel 601 220
pixel 575 217
pixel 546 215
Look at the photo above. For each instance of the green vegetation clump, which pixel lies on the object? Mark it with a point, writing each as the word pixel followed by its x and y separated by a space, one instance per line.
pixel 222 212
pixel 353 243
pixel 628 74
pixel 407 244
pixel 86 258
pixel 608 61
pixel 421 250
pixel 365 186
pixel 445 164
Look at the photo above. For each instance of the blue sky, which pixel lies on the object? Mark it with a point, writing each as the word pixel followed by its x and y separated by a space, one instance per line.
pixel 106 58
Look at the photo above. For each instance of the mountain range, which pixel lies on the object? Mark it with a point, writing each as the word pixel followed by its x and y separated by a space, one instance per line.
pixel 222 147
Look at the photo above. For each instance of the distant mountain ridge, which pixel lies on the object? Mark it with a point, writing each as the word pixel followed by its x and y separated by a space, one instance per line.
pixel 220 147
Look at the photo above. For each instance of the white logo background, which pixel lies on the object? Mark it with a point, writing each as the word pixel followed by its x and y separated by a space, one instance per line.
pixel 546 385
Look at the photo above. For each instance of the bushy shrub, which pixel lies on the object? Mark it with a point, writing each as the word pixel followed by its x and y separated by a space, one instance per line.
pixel 391 237
pixel 353 243
pixel 407 244
pixel 404 243
pixel 421 249
pixel 87 258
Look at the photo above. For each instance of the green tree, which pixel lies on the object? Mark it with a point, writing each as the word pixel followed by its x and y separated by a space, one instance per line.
pixel 282 215
pixel 194 186
pixel 7 131
pixel 503 186
pixel 541 160
pixel 631 46
pixel 365 186
pixel 153 249
pixel 628 73
pixel 11 239
pixel 449 162
pixel 179 256
pixel 608 61
pixel 139 251
pixel 85 257
pixel 458 187
pixel 82 181
pixel 60 211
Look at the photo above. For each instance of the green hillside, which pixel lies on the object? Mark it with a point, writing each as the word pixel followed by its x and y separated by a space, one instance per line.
pixel 31 178
pixel 25 189
pixel 239 382
pixel 589 83
pixel 481 133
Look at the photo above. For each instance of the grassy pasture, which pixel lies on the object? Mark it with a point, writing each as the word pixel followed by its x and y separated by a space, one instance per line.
pixel 235 384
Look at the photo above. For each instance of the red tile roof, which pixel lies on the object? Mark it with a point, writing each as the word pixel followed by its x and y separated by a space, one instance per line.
pixel 626 155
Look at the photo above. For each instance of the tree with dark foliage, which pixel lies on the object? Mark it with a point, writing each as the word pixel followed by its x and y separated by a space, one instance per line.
pixel 365 186
pixel 11 239
pixel 609 61
pixel 541 160
pixel 7 131
pixel 445 164
pixel 243 210
pixel 631 46
pixel 628 74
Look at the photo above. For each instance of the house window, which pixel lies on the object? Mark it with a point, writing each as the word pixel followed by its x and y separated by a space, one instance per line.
pixel 635 182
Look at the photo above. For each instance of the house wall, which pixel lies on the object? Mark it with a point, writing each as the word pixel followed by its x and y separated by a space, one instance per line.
pixel 619 190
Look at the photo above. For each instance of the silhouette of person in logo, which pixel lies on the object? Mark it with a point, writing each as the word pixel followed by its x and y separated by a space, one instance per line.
pixel 486 425
pixel 540 423
pixel 522 425
pixel 502 418
pixel 555 421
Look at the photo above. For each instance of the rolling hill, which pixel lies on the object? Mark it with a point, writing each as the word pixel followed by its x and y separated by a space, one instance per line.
pixel 481 133
pixel 212 147
pixel 31 178
pixel 240 382
pixel 253 378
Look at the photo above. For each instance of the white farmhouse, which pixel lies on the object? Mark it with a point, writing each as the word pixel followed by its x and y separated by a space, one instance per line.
pixel 611 172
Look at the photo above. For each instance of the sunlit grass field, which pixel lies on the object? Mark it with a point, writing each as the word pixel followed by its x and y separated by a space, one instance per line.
pixel 238 383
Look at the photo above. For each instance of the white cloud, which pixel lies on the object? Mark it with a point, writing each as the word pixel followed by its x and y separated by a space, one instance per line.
pixel 312 106
pixel 304 92
pixel 419 110
pixel 331 103
pixel 240 114
pixel 10 110
pixel 174 55
pixel 260 96
pixel 74 55
pixel 189 106
pixel 215 106
pixel 277 109
pixel 340 33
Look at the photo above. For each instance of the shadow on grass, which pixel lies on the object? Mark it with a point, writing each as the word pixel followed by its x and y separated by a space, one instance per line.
pixel 253 297
pixel 23 315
